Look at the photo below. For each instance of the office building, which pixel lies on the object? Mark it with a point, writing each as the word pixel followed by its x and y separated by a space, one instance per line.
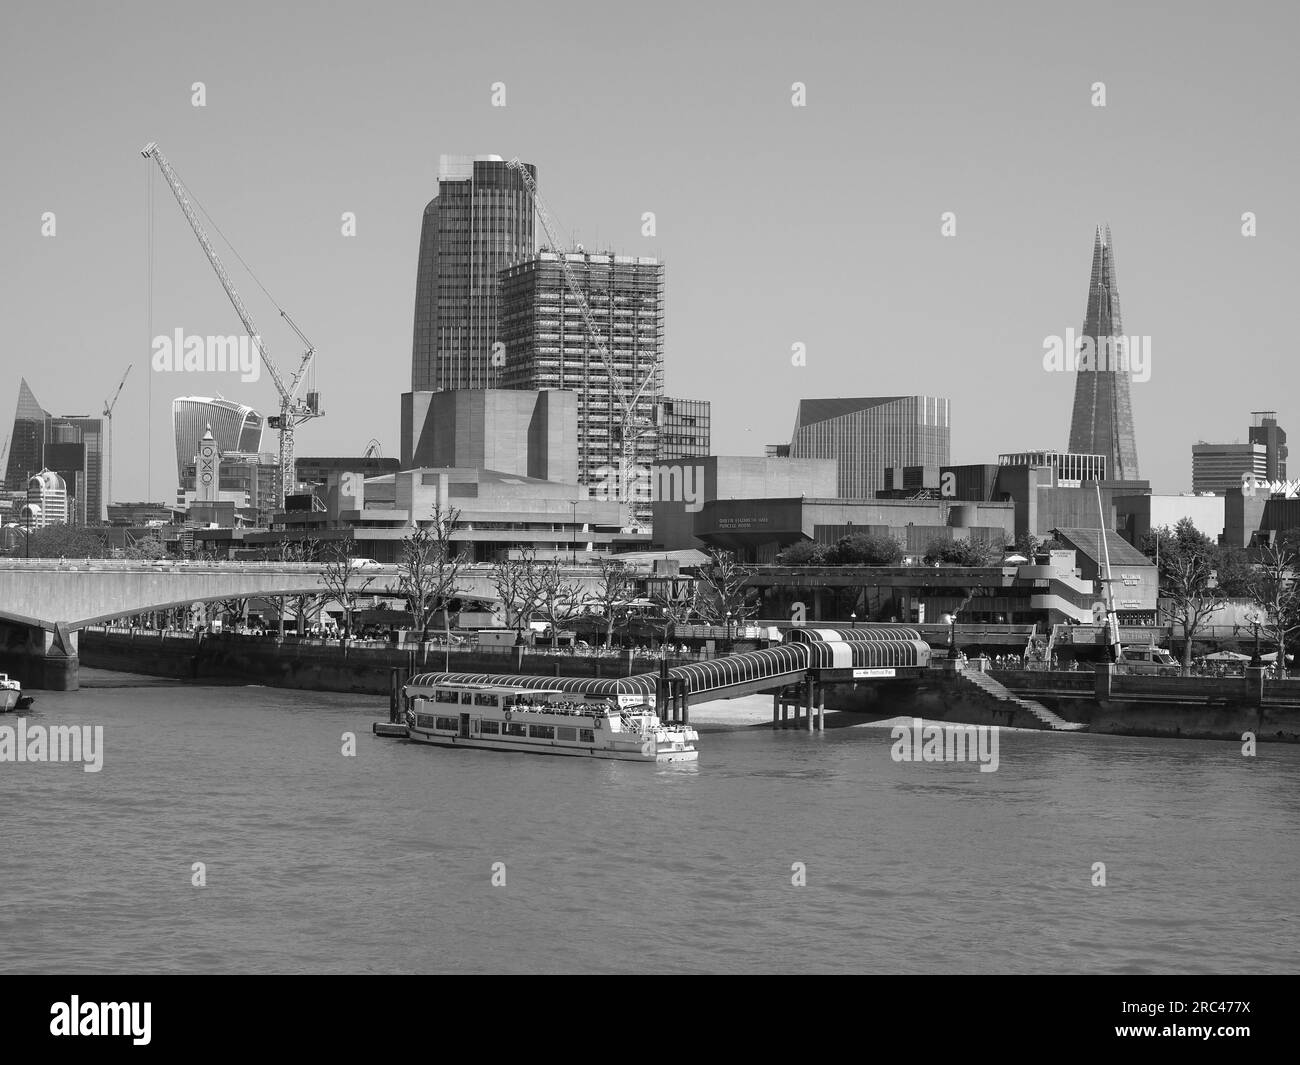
pixel 479 223
pixel 70 445
pixel 27 439
pixel 235 426
pixel 1102 422
pixel 866 435
pixel 47 500
pixel 1264 430
pixel 684 429
pixel 1219 468
pixel 548 346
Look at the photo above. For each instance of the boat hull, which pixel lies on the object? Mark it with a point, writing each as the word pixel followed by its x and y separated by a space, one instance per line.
pixel 9 698
pixel 482 743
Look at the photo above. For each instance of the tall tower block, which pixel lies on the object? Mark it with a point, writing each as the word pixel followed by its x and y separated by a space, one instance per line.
pixel 1103 405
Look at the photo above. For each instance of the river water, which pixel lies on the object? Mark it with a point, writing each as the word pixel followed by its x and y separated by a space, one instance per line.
pixel 383 862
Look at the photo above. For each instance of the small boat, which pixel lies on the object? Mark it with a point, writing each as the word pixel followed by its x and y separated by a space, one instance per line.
pixel 544 721
pixel 11 695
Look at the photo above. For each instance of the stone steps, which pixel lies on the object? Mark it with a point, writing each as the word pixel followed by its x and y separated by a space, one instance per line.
pixel 999 691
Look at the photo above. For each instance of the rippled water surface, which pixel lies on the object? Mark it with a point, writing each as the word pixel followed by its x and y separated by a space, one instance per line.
pixel 383 862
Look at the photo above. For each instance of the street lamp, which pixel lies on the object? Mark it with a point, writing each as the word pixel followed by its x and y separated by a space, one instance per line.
pixel 853 620
pixel 1255 619
pixel 728 631
pixel 573 532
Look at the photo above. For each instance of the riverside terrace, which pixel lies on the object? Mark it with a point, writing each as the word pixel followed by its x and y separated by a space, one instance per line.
pixel 1045 595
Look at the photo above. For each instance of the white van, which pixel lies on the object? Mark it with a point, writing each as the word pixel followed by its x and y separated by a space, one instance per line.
pixel 1150 660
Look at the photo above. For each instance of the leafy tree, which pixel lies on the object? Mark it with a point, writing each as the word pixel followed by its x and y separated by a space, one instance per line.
pixel 865 549
pixel 804 553
pixel 66 541
pixel 1234 572
pixel 149 546
pixel 960 553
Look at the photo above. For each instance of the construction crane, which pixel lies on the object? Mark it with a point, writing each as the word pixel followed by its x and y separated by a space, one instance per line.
pixel 108 416
pixel 293 411
pixel 631 426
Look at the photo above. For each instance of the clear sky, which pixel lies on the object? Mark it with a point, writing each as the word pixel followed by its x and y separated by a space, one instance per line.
pixel 779 225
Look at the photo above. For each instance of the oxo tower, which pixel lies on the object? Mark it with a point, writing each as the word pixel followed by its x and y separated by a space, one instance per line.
pixel 1103 406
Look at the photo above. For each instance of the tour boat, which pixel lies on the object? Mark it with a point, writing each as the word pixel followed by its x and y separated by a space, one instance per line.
pixel 545 721
pixel 11 694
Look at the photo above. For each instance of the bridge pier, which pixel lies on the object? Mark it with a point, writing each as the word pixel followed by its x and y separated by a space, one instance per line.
pixel 40 659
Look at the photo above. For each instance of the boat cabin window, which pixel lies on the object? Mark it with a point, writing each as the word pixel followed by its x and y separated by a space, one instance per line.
pixel 515 728
pixel 587 735
pixel 442 696
pixel 424 721
pixel 466 697
pixel 446 723
pixel 489 728
pixel 486 699
pixel 563 732
pixel 542 732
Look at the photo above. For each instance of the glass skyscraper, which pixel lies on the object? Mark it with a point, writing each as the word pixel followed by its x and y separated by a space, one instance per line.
pixel 1102 423
pixel 71 446
pixel 480 222
pixel 236 427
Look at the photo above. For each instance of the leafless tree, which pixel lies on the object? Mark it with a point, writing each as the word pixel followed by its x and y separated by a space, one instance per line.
pixel 612 598
pixel 725 590
pixel 558 600
pixel 343 580
pixel 515 580
pixel 1275 587
pixel 430 571
pixel 676 604
pixel 1190 593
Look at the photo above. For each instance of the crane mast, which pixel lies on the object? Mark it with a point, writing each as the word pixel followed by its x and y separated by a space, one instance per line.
pixel 293 411
pixel 631 426
pixel 108 415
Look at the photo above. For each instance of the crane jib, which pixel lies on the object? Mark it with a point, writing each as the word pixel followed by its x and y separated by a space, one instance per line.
pixel 292 410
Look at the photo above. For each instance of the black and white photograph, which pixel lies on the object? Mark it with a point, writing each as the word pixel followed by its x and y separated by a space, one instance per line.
pixel 609 489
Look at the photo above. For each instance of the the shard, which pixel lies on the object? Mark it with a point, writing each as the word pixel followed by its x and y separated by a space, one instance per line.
pixel 1103 405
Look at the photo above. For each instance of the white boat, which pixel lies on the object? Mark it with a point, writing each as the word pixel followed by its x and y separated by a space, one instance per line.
pixel 10 693
pixel 545 721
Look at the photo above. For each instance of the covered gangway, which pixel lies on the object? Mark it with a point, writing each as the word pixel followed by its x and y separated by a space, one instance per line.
pixel 818 656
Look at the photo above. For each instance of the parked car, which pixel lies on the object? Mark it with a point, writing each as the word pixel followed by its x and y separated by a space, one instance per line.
pixel 363 563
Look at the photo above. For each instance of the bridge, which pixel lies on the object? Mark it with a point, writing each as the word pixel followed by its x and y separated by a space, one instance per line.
pixel 45 602
pixel 812 659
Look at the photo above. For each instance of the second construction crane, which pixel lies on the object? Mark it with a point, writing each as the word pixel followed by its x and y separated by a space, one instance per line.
pixel 293 411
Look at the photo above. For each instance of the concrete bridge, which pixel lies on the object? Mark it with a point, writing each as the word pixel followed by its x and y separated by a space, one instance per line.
pixel 44 602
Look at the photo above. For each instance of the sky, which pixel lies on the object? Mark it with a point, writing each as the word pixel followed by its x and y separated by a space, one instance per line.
pixel 779 225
